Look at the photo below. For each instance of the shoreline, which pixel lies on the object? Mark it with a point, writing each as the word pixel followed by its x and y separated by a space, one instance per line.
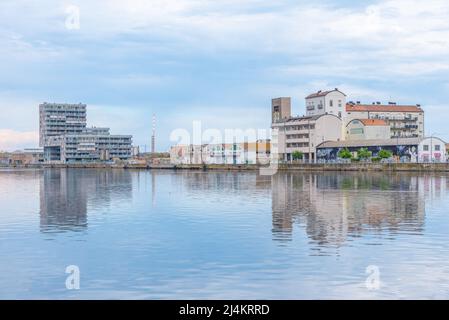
pixel 363 167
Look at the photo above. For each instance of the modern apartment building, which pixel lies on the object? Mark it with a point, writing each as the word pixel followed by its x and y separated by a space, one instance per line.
pixel 405 121
pixel 56 120
pixel 65 137
pixel 95 145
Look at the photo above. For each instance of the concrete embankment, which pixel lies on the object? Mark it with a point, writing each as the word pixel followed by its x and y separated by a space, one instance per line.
pixel 393 167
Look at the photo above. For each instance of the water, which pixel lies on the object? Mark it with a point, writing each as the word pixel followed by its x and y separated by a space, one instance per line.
pixel 223 235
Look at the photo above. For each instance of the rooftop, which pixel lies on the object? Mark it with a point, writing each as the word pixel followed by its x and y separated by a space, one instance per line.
pixel 373 122
pixel 382 108
pixel 370 143
pixel 322 93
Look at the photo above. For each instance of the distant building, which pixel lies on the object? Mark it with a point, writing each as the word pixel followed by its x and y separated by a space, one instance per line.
pixel 367 129
pixel 25 157
pixel 225 153
pixel 405 121
pixel 65 137
pixel 326 102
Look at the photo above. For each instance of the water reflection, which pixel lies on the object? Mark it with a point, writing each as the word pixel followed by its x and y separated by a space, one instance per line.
pixel 66 194
pixel 334 207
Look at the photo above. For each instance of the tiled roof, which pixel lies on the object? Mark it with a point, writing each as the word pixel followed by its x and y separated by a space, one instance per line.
pixel 373 122
pixel 382 108
pixel 322 93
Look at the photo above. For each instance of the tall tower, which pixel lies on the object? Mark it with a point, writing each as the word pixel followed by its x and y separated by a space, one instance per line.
pixel 280 109
pixel 153 136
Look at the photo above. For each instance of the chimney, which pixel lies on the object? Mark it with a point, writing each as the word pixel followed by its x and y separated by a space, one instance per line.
pixel 358 102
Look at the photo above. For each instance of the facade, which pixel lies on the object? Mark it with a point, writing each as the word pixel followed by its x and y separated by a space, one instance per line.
pixel 281 109
pixel 403 149
pixel 432 149
pixel 225 153
pixel 93 146
pixel 56 120
pixel 65 137
pixel 326 102
pixel 303 134
pixel 26 157
pixel 367 129
pixel 405 121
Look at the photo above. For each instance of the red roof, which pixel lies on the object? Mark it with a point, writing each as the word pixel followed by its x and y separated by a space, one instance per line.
pixel 382 108
pixel 373 122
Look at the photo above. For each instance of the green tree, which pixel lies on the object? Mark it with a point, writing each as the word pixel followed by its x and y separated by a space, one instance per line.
pixel 345 154
pixel 297 155
pixel 385 154
pixel 363 153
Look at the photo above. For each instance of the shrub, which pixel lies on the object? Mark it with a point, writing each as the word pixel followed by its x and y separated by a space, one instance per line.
pixel 385 154
pixel 363 153
pixel 297 155
pixel 345 154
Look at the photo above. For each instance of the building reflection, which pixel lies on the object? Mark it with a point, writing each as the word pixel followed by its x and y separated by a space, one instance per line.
pixel 67 194
pixel 333 207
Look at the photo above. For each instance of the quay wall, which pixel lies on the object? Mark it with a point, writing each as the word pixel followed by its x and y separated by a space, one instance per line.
pixel 387 167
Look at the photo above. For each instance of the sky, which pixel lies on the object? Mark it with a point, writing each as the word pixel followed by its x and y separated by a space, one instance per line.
pixel 219 61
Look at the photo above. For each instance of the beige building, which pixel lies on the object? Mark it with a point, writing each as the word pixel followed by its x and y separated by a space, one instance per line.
pixel 367 129
pixel 405 121
pixel 303 134
pixel 326 102
pixel 224 153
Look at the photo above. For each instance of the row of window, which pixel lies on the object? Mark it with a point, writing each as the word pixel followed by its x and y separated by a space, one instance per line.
pixel 436 147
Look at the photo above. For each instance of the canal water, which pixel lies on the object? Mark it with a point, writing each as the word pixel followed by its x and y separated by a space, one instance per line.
pixel 222 235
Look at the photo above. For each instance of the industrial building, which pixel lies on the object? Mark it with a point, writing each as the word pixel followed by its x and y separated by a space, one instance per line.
pixel 301 134
pixel 65 137
pixel 431 149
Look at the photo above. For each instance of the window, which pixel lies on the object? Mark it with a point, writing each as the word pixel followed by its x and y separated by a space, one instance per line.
pixel 331 103
pixel 437 147
pixel 426 147
pixel 339 114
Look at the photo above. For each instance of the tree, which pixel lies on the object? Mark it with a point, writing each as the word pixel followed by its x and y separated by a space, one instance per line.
pixel 297 155
pixel 345 154
pixel 363 153
pixel 385 154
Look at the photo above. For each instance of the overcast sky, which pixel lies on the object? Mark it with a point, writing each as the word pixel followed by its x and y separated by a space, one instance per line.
pixel 218 61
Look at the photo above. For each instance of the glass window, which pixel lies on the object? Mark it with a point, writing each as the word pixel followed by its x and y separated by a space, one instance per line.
pixel 426 147
pixel 437 147
pixel 331 103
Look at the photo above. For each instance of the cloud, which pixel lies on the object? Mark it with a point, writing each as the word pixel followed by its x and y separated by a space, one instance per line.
pixel 11 140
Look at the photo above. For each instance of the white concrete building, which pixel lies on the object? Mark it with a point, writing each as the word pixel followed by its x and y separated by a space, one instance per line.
pixel 432 149
pixel 326 102
pixel 367 129
pixel 303 134
pixel 405 121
